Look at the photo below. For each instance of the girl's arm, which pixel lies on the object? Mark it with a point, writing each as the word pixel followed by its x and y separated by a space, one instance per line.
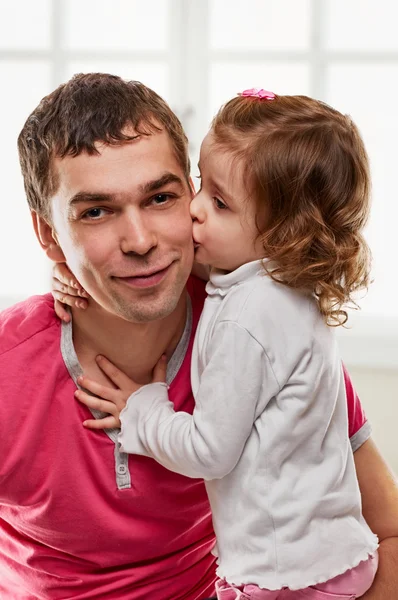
pixel 379 491
pixel 208 443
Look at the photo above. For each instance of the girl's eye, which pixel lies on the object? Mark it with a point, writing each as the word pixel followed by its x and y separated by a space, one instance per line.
pixel 219 204
pixel 94 213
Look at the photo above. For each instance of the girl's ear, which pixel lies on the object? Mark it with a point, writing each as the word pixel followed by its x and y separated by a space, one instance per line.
pixel 47 239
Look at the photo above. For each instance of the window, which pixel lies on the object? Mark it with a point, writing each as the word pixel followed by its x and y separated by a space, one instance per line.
pixel 197 54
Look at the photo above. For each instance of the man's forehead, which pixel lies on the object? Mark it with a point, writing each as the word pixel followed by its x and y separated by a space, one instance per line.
pixel 140 154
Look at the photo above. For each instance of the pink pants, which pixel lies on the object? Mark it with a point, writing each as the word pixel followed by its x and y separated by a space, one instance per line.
pixel 351 584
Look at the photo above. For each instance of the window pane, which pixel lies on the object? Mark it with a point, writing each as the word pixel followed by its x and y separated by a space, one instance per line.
pixel 372 104
pixel 227 79
pixel 361 25
pixel 154 75
pixel 25 24
pixel 117 25
pixel 23 264
pixel 259 24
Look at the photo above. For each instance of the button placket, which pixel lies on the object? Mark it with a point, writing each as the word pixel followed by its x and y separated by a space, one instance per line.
pixel 123 479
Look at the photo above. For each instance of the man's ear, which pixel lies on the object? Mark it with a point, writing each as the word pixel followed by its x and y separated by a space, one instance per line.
pixel 47 239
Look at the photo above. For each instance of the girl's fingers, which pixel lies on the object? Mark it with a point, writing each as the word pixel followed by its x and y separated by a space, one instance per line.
pixel 64 288
pixel 120 379
pixel 105 423
pixel 69 300
pixel 60 310
pixel 93 402
pixel 62 276
pixel 103 391
pixel 62 272
pixel 159 372
pixel 69 290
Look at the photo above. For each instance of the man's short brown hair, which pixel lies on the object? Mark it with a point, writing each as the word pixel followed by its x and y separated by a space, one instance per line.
pixel 89 108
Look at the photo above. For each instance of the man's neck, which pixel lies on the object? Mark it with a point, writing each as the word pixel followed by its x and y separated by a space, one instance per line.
pixel 133 347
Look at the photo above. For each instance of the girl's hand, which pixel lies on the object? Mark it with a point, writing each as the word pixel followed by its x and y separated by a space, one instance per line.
pixel 66 290
pixel 111 400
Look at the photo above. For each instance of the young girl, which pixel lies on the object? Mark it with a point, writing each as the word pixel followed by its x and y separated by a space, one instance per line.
pixel 284 198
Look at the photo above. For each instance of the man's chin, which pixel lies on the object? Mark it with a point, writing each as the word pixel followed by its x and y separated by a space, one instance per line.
pixel 146 314
pixel 152 307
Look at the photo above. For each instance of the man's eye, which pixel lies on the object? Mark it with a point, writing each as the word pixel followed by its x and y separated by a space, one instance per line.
pixel 94 213
pixel 160 199
pixel 219 204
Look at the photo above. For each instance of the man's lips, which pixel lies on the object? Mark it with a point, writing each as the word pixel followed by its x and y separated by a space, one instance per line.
pixel 145 278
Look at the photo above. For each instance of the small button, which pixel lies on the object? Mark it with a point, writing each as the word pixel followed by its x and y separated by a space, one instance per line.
pixel 122 469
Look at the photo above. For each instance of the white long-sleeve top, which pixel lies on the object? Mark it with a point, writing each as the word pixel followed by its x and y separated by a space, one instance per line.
pixel 269 435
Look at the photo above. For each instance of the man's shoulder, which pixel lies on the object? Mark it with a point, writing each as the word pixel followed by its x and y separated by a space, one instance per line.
pixel 25 321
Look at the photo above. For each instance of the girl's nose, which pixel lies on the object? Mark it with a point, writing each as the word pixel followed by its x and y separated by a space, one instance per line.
pixel 196 208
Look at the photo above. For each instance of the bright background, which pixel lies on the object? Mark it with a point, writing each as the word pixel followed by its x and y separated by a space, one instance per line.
pixel 197 54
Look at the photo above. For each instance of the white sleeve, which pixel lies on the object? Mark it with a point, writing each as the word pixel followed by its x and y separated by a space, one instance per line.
pixel 209 443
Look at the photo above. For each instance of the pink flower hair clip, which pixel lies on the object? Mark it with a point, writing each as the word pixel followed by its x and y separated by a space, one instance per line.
pixel 258 93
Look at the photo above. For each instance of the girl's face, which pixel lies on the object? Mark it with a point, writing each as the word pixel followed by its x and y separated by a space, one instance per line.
pixel 224 217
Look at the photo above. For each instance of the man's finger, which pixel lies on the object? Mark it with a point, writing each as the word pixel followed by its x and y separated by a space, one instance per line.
pixel 159 372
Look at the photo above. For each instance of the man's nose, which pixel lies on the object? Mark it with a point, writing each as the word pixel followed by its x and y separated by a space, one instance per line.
pixel 197 209
pixel 138 236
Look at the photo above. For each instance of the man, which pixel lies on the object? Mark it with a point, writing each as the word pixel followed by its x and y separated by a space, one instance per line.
pixel 106 174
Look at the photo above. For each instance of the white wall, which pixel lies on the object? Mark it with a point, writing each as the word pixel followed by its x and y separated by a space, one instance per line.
pixel 378 391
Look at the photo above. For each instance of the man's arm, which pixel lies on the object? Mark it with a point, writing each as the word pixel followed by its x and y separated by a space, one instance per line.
pixel 379 490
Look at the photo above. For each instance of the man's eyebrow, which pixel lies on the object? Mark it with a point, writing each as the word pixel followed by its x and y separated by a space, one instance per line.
pixel 89 197
pixel 156 184
pixel 147 188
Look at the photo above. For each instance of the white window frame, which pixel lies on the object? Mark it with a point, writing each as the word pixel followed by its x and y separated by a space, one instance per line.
pixel 372 341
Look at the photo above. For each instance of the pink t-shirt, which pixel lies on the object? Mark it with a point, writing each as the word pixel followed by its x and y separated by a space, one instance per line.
pixel 66 529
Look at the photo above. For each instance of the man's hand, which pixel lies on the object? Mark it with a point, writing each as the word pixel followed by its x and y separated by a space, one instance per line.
pixel 66 290
pixel 111 400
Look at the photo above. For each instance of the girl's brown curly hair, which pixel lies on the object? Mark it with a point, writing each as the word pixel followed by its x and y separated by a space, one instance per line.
pixel 307 169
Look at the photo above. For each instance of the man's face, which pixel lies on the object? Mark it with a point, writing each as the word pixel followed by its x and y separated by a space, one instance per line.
pixel 122 221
